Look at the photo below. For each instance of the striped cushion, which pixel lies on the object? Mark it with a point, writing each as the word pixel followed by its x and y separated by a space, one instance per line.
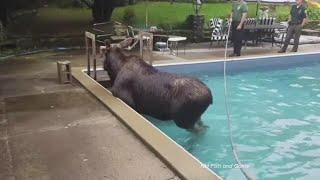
pixel 217 32
pixel 218 35
pixel 213 22
pixel 250 21
pixel 267 21
pixel 219 38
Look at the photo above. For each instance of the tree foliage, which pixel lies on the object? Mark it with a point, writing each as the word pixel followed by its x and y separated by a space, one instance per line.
pixel 102 9
pixel 7 7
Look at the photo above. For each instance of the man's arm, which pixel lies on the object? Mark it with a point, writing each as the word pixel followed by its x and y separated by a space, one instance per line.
pixel 304 21
pixel 243 19
pixel 289 19
pixel 290 14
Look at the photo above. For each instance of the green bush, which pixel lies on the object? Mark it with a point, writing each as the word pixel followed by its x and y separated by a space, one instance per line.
pixel 313 14
pixel 176 16
pixel 313 24
pixel 282 17
pixel 165 26
pixel 187 24
pixel 129 16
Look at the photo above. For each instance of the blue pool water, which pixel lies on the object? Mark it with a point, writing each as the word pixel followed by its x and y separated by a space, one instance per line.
pixel 275 111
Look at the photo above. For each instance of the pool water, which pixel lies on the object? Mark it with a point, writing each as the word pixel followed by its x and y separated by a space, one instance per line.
pixel 275 122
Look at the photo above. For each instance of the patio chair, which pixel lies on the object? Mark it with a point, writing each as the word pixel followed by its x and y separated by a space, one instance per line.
pixel 121 34
pixel 280 34
pixel 114 31
pixel 218 34
pixel 161 43
pixel 172 44
pixel 213 22
pixel 161 46
pixel 266 34
pixel 102 31
pixel 250 35
pixel 131 34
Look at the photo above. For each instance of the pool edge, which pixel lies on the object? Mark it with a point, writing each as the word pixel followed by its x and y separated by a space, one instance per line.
pixel 178 159
pixel 233 59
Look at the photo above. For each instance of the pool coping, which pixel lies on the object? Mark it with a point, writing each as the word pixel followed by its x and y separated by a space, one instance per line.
pixel 260 57
pixel 176 157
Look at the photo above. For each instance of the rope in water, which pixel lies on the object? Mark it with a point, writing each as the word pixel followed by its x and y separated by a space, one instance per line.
pixel 226 100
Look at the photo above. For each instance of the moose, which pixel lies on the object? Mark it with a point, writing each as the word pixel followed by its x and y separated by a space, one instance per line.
pixel 162 95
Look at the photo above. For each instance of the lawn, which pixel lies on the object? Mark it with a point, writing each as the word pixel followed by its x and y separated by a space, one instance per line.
pixel 165 13
pixel 50 27
pixel 74 21
pixel 53 21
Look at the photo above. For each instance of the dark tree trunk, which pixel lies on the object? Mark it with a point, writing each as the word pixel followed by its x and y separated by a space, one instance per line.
pixel 4 16
pixel 102 10
pixel 131 2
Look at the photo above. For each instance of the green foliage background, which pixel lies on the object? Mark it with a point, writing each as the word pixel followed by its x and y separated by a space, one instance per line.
pixel 174 15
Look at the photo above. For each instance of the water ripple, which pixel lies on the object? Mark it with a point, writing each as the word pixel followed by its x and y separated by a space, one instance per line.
pixel 296 85
pixel 306 77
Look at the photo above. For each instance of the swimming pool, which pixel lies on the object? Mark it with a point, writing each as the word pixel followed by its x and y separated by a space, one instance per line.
pixel 275 111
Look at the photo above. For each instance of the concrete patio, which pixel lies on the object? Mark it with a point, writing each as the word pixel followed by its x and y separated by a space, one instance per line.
pixel 53 131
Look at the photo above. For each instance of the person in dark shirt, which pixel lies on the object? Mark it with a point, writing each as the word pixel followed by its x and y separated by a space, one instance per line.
pixel 238 17
pixel 297 20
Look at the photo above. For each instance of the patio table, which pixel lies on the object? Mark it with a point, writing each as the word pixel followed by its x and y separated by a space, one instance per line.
pixel 173 42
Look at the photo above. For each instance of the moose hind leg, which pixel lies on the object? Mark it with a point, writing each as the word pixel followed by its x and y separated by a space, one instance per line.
pixel 124 95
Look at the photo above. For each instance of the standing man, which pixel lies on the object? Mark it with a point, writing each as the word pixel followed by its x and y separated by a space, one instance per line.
pixel 297 20
pixel 238 17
